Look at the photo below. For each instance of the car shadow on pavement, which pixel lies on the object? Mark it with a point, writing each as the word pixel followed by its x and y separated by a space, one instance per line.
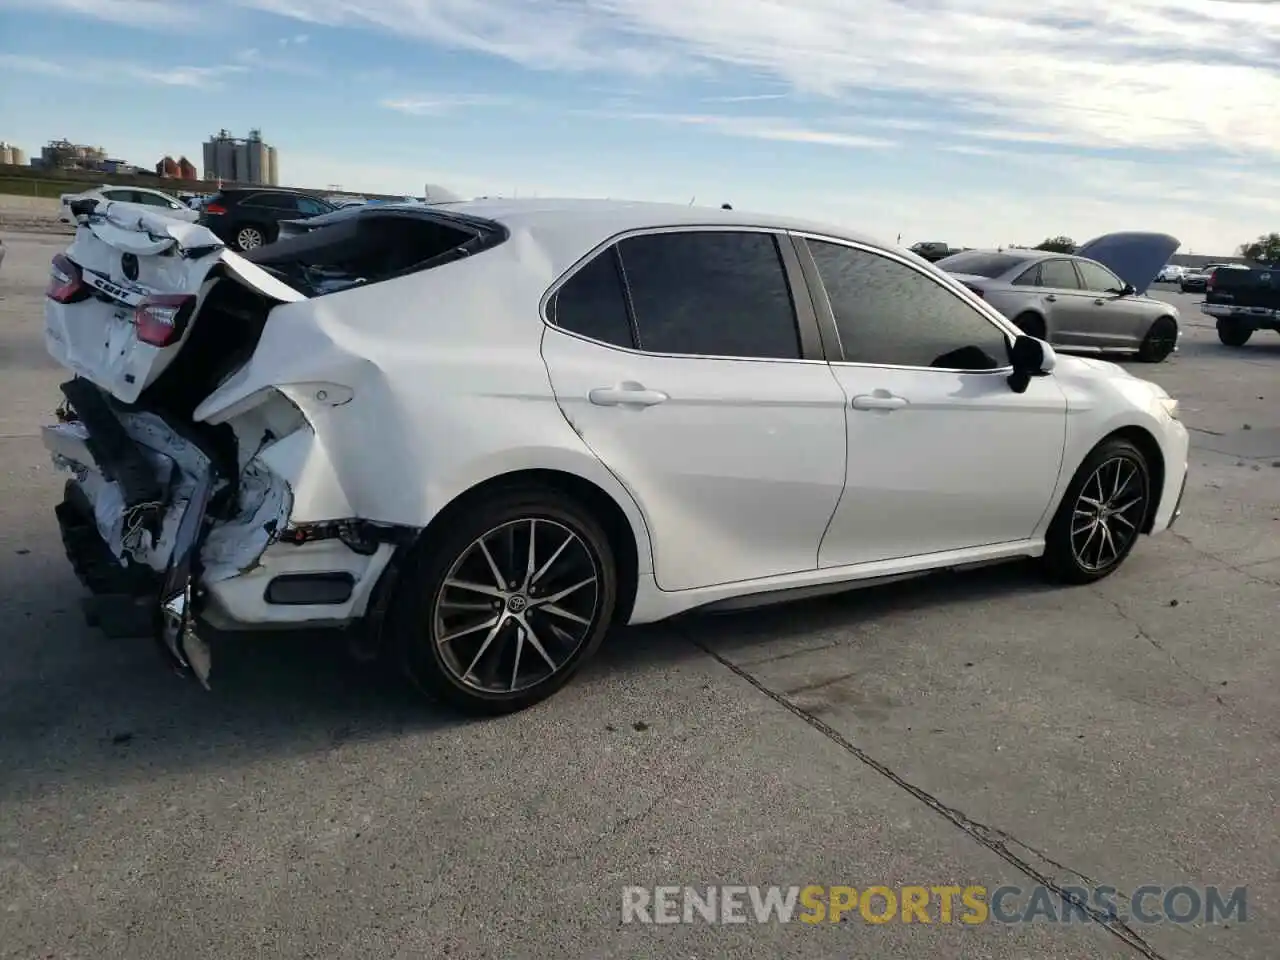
pixel 75 706
pixel 843 612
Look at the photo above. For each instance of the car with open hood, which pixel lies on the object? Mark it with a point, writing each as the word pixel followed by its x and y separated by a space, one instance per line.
pixel 479 435
pixel 1093 300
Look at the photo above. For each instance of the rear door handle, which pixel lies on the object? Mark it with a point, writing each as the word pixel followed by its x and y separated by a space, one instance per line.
pixel 626 394
pixel 878 401
pixel 1099 302
pixel 1052 298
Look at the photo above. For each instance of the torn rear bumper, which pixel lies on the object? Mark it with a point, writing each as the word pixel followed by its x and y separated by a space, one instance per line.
pixel 142 498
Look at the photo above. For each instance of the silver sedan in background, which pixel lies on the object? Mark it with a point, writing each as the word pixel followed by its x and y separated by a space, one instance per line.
pixel 1093 301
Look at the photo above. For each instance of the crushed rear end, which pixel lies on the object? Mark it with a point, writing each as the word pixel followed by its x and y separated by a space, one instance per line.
pixel 179 510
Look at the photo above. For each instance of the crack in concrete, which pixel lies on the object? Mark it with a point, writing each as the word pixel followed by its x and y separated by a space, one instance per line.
pixel 997 841
pixel 1223 562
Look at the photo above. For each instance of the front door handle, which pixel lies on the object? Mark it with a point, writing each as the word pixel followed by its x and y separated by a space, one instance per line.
pixel 878 401
pixel 626 394
pixel 1052 298
pixel 1099 302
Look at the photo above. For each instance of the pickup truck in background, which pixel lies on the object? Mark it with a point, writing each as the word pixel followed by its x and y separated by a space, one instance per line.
pixel 1243 301
pixel 933 250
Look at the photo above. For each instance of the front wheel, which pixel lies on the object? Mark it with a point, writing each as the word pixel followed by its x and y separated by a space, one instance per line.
pixel 1101 514
pixel 1160 341
pixel 501 608
pixel 1234 333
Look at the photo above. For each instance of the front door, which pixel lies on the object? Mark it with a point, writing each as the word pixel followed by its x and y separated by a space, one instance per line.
pixel 943 455
pixel 691 385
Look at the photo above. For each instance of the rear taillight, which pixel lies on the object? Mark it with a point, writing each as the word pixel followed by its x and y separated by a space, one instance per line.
pixel 1208 281
pixel 161 320
pixel 215 209
pixel 66 282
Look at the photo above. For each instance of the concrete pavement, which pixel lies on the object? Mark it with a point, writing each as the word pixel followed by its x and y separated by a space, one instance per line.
pixel 973 729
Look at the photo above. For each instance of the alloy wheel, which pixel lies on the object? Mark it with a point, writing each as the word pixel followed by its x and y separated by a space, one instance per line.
pixel 516 606
pixel 1161 340
pixel 1108 513
pixel 249 238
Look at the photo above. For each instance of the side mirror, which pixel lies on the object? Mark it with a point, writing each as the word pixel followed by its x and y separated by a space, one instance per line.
pixel 1029 358
pixel 1128 290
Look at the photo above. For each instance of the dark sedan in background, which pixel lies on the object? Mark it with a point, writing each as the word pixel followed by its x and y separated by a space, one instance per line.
pixel 249 217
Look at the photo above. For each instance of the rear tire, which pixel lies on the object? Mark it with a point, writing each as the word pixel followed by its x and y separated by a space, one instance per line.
pixel 1031 324
pixel 250 237
pixel 1100 516
pixel 1160 341
pixel 490 647
pixel 1234 333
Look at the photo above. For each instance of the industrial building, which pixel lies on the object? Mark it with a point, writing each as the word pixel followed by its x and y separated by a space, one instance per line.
pixel 236 160
pixel 12 155
pixel 65 155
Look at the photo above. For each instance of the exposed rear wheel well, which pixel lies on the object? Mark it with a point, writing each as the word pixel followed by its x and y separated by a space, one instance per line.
pixel 601 505
pixel 1145 442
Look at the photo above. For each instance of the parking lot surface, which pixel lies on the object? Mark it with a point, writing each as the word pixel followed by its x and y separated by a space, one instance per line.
pixel 967 729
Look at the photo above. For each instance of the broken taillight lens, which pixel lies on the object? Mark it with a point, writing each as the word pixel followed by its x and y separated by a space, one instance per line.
pixel 66 282
pixel 161 320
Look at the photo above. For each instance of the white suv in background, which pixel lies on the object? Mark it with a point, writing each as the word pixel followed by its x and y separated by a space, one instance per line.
pixel 154 200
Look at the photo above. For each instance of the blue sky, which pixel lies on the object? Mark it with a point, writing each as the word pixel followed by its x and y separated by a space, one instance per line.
pixel 971 121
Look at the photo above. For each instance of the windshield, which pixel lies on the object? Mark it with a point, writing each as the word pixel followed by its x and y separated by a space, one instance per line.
pixel 979 264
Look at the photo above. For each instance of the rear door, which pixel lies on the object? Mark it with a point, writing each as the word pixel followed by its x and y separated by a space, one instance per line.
pixel 699 383
pixel 120 303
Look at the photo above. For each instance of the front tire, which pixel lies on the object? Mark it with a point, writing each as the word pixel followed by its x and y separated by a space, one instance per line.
pixel 1234 333
pixel 498 610
pixel 1101 514
pixel 1160 341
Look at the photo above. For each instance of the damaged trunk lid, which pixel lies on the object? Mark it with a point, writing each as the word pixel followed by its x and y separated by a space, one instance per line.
pixel 122 299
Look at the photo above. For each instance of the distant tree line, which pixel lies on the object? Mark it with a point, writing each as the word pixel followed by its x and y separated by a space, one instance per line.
pixel 1266 249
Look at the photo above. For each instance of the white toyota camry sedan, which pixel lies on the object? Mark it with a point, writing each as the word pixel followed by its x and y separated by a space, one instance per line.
pixel 479 435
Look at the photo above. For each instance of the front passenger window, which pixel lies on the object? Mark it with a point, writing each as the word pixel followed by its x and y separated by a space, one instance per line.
pixel 890 314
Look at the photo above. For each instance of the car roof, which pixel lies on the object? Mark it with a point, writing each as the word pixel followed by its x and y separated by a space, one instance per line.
pixel 599 219
pixel 288 190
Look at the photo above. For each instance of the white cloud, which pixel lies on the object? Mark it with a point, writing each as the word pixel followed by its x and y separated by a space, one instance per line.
pixel 757 128
pixel 437 105
pixel 1145 73
pixel 120 72
pixel 137 13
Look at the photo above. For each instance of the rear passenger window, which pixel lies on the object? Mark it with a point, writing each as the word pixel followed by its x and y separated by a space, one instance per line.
pixel 592 303
pixel 716 293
